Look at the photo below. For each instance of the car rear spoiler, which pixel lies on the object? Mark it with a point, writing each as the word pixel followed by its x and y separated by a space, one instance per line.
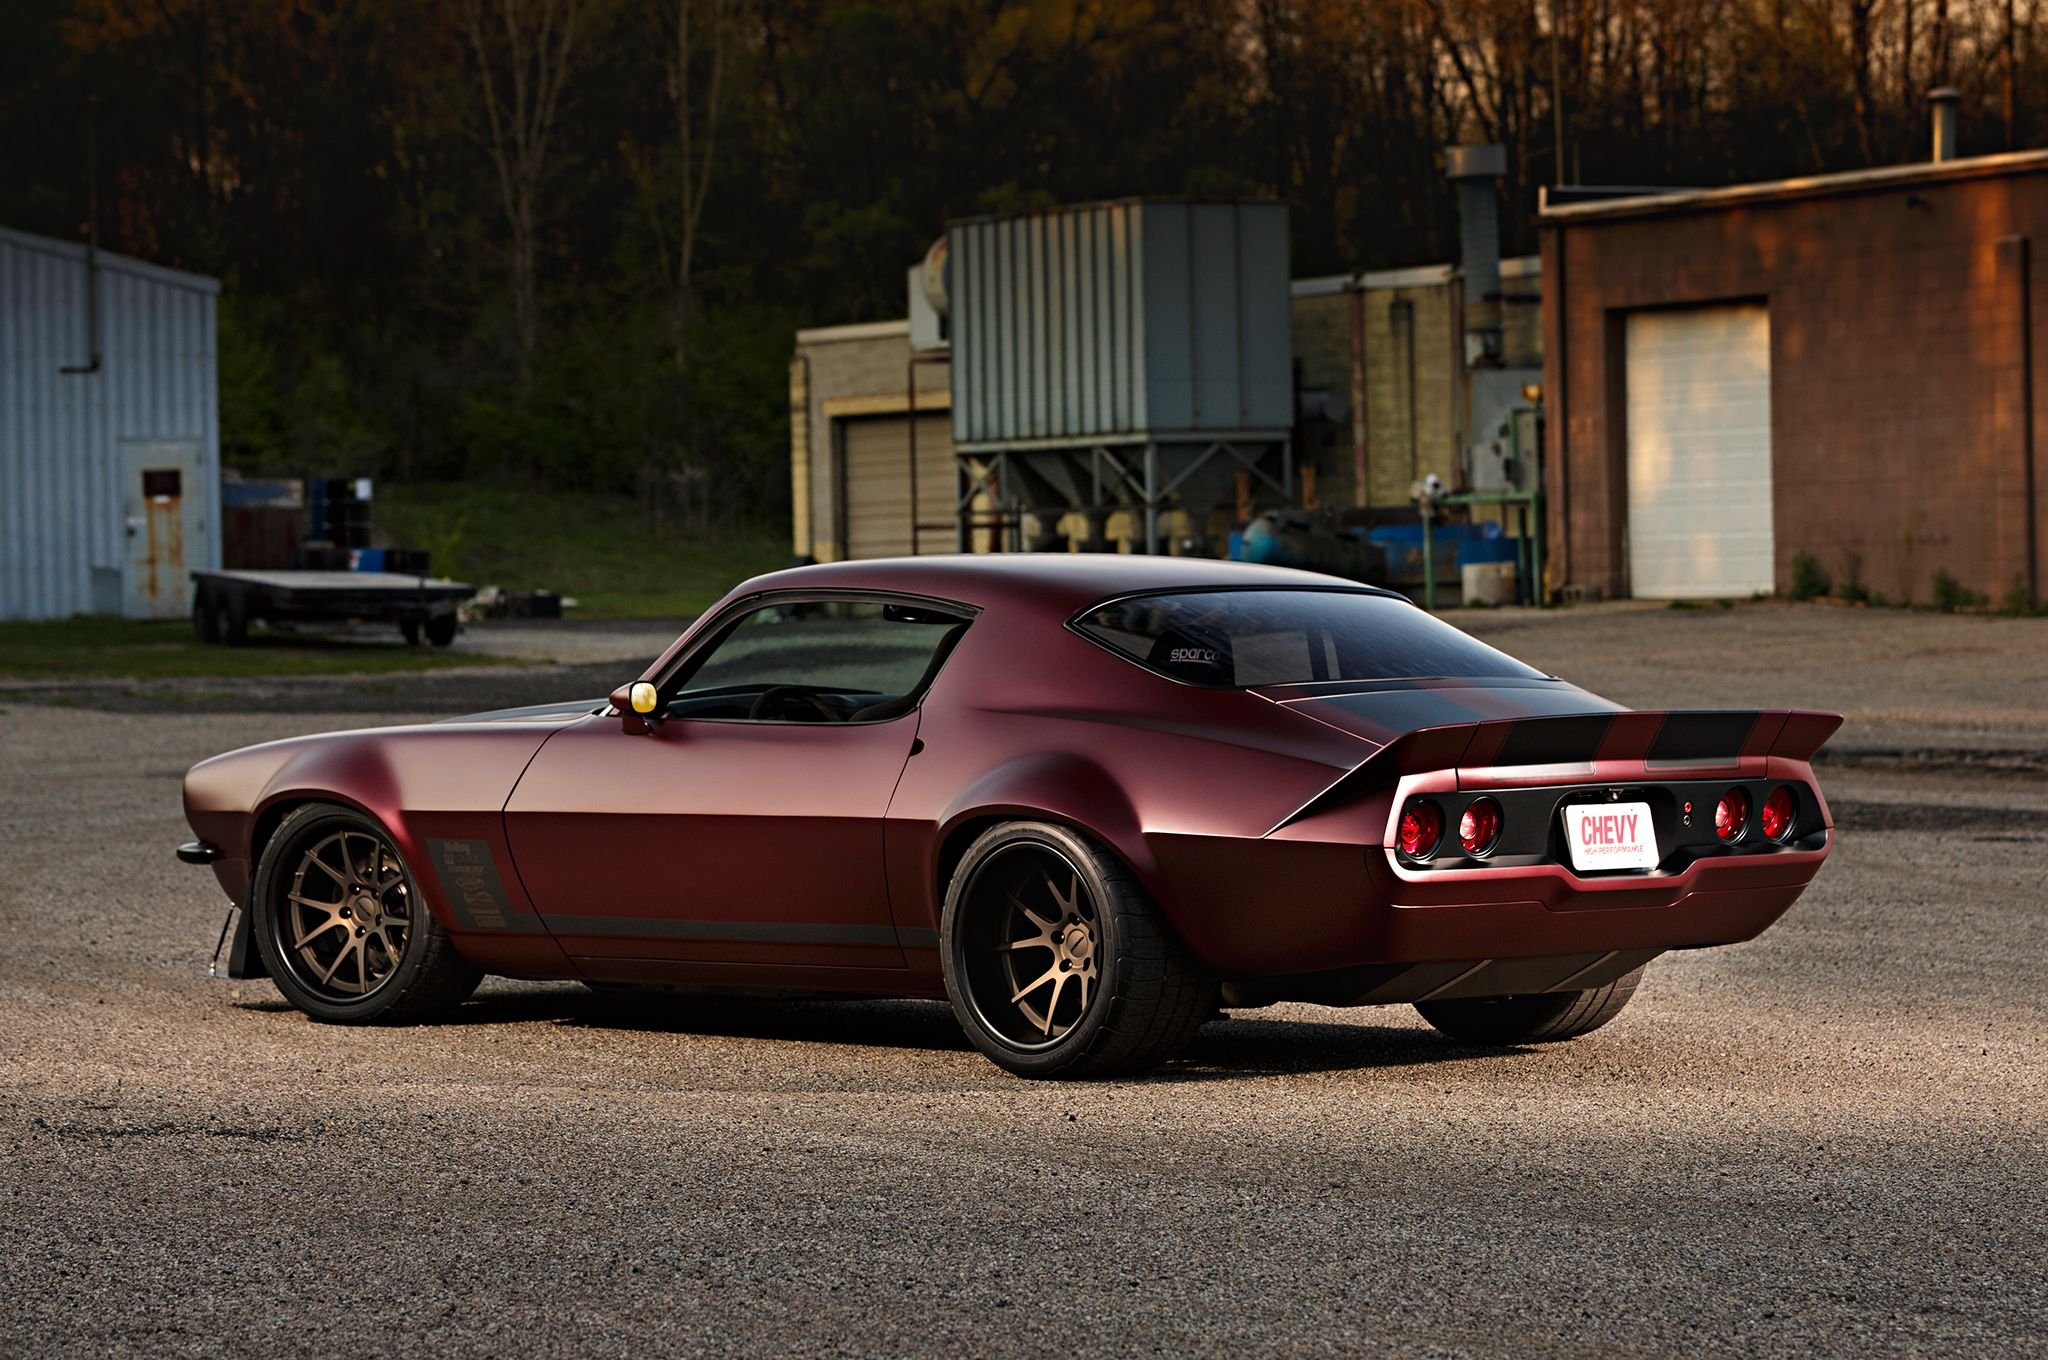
pixel 1584 747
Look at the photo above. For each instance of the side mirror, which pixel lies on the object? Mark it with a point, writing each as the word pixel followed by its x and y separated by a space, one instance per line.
pixel 636 704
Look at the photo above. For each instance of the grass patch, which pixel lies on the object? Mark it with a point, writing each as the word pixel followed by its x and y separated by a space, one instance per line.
pixel 602 550
pixel 96 648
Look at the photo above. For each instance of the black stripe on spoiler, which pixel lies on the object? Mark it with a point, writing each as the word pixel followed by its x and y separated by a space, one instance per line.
pixel 1661 741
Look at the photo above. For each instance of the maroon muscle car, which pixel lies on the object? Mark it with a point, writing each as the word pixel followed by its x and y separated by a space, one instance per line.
pixel 1087 799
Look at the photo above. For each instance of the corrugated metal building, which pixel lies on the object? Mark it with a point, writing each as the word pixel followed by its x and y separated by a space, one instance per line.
pixel 1067 351
pixel 849 390
pixel 109 432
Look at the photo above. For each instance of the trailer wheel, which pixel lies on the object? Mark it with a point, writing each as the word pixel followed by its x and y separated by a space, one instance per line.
pixel 205 616
pixel 233 616
pixel 441 629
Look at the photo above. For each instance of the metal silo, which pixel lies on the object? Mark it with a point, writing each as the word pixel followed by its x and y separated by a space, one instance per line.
pixel 109 432
pixel 1132 355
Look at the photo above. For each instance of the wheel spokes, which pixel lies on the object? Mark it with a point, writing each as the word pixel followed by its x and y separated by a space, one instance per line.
pixel 1042 904
pixel 1044 939
pixel 317 931
pixel 374 906
pixel 313 858
pixel 1049 975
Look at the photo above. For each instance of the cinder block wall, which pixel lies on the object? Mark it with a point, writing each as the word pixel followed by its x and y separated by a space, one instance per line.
pixel 839 371
pixel 1405 439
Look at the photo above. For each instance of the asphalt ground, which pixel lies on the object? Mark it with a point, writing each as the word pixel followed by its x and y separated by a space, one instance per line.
pixel 1828 1141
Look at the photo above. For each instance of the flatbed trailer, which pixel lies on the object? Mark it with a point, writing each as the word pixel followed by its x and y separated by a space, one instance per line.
pixel 225 603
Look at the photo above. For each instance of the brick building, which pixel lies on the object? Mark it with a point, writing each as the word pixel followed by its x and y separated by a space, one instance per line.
pixel 1841 366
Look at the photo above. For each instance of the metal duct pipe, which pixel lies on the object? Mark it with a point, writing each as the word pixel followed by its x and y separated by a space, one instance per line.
pixel 1945 103
pixel 92 243
pixel 1477 171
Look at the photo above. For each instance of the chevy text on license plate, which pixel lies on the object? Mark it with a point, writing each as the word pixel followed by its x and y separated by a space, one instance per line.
pixel 1611 836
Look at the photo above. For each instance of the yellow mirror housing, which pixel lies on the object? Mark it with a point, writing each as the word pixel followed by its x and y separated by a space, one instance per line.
pixel 645 700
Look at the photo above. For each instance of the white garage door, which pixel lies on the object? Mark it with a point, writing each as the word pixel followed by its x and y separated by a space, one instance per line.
pixel 1699 452
pixel 877 451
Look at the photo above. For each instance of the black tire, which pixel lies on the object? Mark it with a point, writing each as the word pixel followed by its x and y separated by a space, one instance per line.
pixel 205 616
pixel 410 629
pixel 1539 1019
pixel 418 979
pixel 1141 995
pixel 233 613
pixel 440 629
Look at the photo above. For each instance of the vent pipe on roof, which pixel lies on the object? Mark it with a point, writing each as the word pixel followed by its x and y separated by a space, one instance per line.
pixel 92 243
pixel 1945 102
pixel 1477 171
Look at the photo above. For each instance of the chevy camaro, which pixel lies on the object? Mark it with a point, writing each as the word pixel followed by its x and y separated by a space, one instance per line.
pixel 1085 799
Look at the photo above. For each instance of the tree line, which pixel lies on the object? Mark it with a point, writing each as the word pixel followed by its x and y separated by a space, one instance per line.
pixel 568 242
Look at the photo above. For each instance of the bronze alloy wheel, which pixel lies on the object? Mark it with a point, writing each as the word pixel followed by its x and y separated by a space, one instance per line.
pixel 1057 962
pixel 1033 948
pixel 346 916
pixel 342 929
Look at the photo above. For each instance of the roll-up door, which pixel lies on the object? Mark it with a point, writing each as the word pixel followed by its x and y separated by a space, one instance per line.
pixel 1699 452
pixel 877 486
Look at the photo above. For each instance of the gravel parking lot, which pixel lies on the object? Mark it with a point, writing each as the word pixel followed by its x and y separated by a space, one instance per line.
pixel 1830 1140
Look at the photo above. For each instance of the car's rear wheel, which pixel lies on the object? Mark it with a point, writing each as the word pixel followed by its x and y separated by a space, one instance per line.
pixel 342 927
pixel 1542 1018
pixel 1059 965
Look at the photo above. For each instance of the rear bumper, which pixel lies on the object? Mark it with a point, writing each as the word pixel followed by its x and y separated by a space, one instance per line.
pixel 1271 908
pixel 1547 909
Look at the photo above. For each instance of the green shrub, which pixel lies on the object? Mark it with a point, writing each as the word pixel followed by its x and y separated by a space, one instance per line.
pixel 1951 594
pixel 1810 579
pixel 1853 588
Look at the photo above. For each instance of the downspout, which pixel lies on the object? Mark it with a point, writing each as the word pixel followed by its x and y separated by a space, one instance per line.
pixel 1405 309
pixel 1361 464
pixel 92 241
pixel 1557 408
pixel 2030 489
pixel 910 424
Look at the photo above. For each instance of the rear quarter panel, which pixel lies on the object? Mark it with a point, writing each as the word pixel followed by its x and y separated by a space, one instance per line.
pixel 1030 720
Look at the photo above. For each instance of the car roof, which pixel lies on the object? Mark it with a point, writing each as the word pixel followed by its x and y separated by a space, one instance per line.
pixel 1066 581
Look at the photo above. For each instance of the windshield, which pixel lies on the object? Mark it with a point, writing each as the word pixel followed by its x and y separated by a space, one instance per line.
pixel 1248 638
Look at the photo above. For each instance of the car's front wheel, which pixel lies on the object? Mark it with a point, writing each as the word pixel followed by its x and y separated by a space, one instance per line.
pixel 1057 962
pixel 1541 1018
pixel 342 928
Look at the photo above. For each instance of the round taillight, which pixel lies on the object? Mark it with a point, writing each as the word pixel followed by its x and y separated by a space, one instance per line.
pixel 1422 826
pixel 1479 828
pixel 1777 814
pixel 1731 815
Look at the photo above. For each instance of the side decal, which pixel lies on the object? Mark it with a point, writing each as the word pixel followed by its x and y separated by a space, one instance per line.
pixel 469 877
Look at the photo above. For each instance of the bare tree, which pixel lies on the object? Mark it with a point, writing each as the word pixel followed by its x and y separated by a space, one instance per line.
pixel 525 51
pixel 699 39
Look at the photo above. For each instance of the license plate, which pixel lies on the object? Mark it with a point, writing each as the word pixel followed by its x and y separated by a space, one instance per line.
pixel 1611 836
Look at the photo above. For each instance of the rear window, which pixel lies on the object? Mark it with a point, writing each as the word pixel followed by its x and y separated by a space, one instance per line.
pixel 1246 638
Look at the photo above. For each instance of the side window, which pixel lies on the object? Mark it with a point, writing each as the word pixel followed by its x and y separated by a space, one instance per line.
pixel 818 661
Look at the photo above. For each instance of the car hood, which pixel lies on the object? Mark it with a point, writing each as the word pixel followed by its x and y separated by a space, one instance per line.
pixel 541 713
pixel 1380 711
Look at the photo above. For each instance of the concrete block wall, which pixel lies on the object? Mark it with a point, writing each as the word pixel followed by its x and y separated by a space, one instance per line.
pixel 1898 389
